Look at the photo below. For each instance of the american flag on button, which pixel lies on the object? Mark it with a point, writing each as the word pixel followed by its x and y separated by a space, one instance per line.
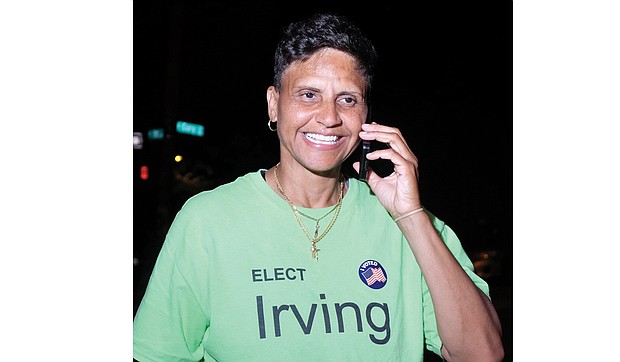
pixel 373 275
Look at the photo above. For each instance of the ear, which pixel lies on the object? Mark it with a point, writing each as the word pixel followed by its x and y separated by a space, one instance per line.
pixel 272 103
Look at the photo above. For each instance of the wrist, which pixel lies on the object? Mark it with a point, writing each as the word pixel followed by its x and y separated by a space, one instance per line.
pixel 399 217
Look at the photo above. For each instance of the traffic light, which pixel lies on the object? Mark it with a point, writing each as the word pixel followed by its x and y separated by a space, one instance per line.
pixel 144 173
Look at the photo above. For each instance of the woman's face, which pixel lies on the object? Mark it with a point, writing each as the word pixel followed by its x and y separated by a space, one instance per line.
pixel 319 110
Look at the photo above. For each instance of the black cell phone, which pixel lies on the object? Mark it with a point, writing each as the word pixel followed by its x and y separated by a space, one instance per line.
pixel 364 160
pixel 365 150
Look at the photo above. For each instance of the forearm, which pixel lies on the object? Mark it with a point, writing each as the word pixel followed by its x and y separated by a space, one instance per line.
pixel 466 320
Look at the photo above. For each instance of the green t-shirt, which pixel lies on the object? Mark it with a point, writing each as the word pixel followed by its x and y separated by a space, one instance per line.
pixel 235 281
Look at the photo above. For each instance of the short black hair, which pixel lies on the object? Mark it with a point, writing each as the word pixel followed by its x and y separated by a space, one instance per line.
pixel 301 39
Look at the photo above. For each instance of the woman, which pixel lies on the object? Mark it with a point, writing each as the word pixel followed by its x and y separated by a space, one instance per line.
pixel 297 262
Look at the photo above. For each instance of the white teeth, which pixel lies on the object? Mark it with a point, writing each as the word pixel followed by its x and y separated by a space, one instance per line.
pixel 321 139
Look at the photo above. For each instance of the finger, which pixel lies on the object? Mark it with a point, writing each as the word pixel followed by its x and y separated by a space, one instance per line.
pixel 402 165
pixel 390 136
pixel 397 144
pixel 376 127
pixel 392 155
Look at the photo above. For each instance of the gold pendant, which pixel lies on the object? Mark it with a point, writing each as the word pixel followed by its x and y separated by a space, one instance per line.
pixel 315 251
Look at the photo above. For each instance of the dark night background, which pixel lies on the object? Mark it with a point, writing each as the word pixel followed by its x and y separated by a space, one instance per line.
pixel 444 78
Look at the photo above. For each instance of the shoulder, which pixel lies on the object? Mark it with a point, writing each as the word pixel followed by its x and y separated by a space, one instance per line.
pixel 238 188
pixel 221 200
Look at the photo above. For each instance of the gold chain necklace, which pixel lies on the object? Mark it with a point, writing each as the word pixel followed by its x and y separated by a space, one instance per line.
pixel 313 240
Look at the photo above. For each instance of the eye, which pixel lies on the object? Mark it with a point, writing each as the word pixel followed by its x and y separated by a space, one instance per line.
pixel 309 95
pixel 347 101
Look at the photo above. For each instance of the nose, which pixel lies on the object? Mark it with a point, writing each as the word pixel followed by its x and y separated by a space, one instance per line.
pixel 328 115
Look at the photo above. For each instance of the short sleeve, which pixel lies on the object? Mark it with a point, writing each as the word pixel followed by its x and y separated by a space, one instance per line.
pixel 170 323
pixel 431 334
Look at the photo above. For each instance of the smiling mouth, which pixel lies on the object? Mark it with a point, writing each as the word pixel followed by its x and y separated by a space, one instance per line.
pixel 321 139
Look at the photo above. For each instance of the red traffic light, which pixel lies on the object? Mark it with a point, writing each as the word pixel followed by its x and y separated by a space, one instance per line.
pixel 144 172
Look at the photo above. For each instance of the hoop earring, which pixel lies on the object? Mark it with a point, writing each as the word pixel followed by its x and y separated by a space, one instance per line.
pixel 269 126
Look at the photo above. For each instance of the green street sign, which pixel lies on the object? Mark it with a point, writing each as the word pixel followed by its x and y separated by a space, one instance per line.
pixel 191 129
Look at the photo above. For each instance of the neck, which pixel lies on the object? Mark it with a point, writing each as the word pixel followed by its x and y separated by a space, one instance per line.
pixel 306 189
